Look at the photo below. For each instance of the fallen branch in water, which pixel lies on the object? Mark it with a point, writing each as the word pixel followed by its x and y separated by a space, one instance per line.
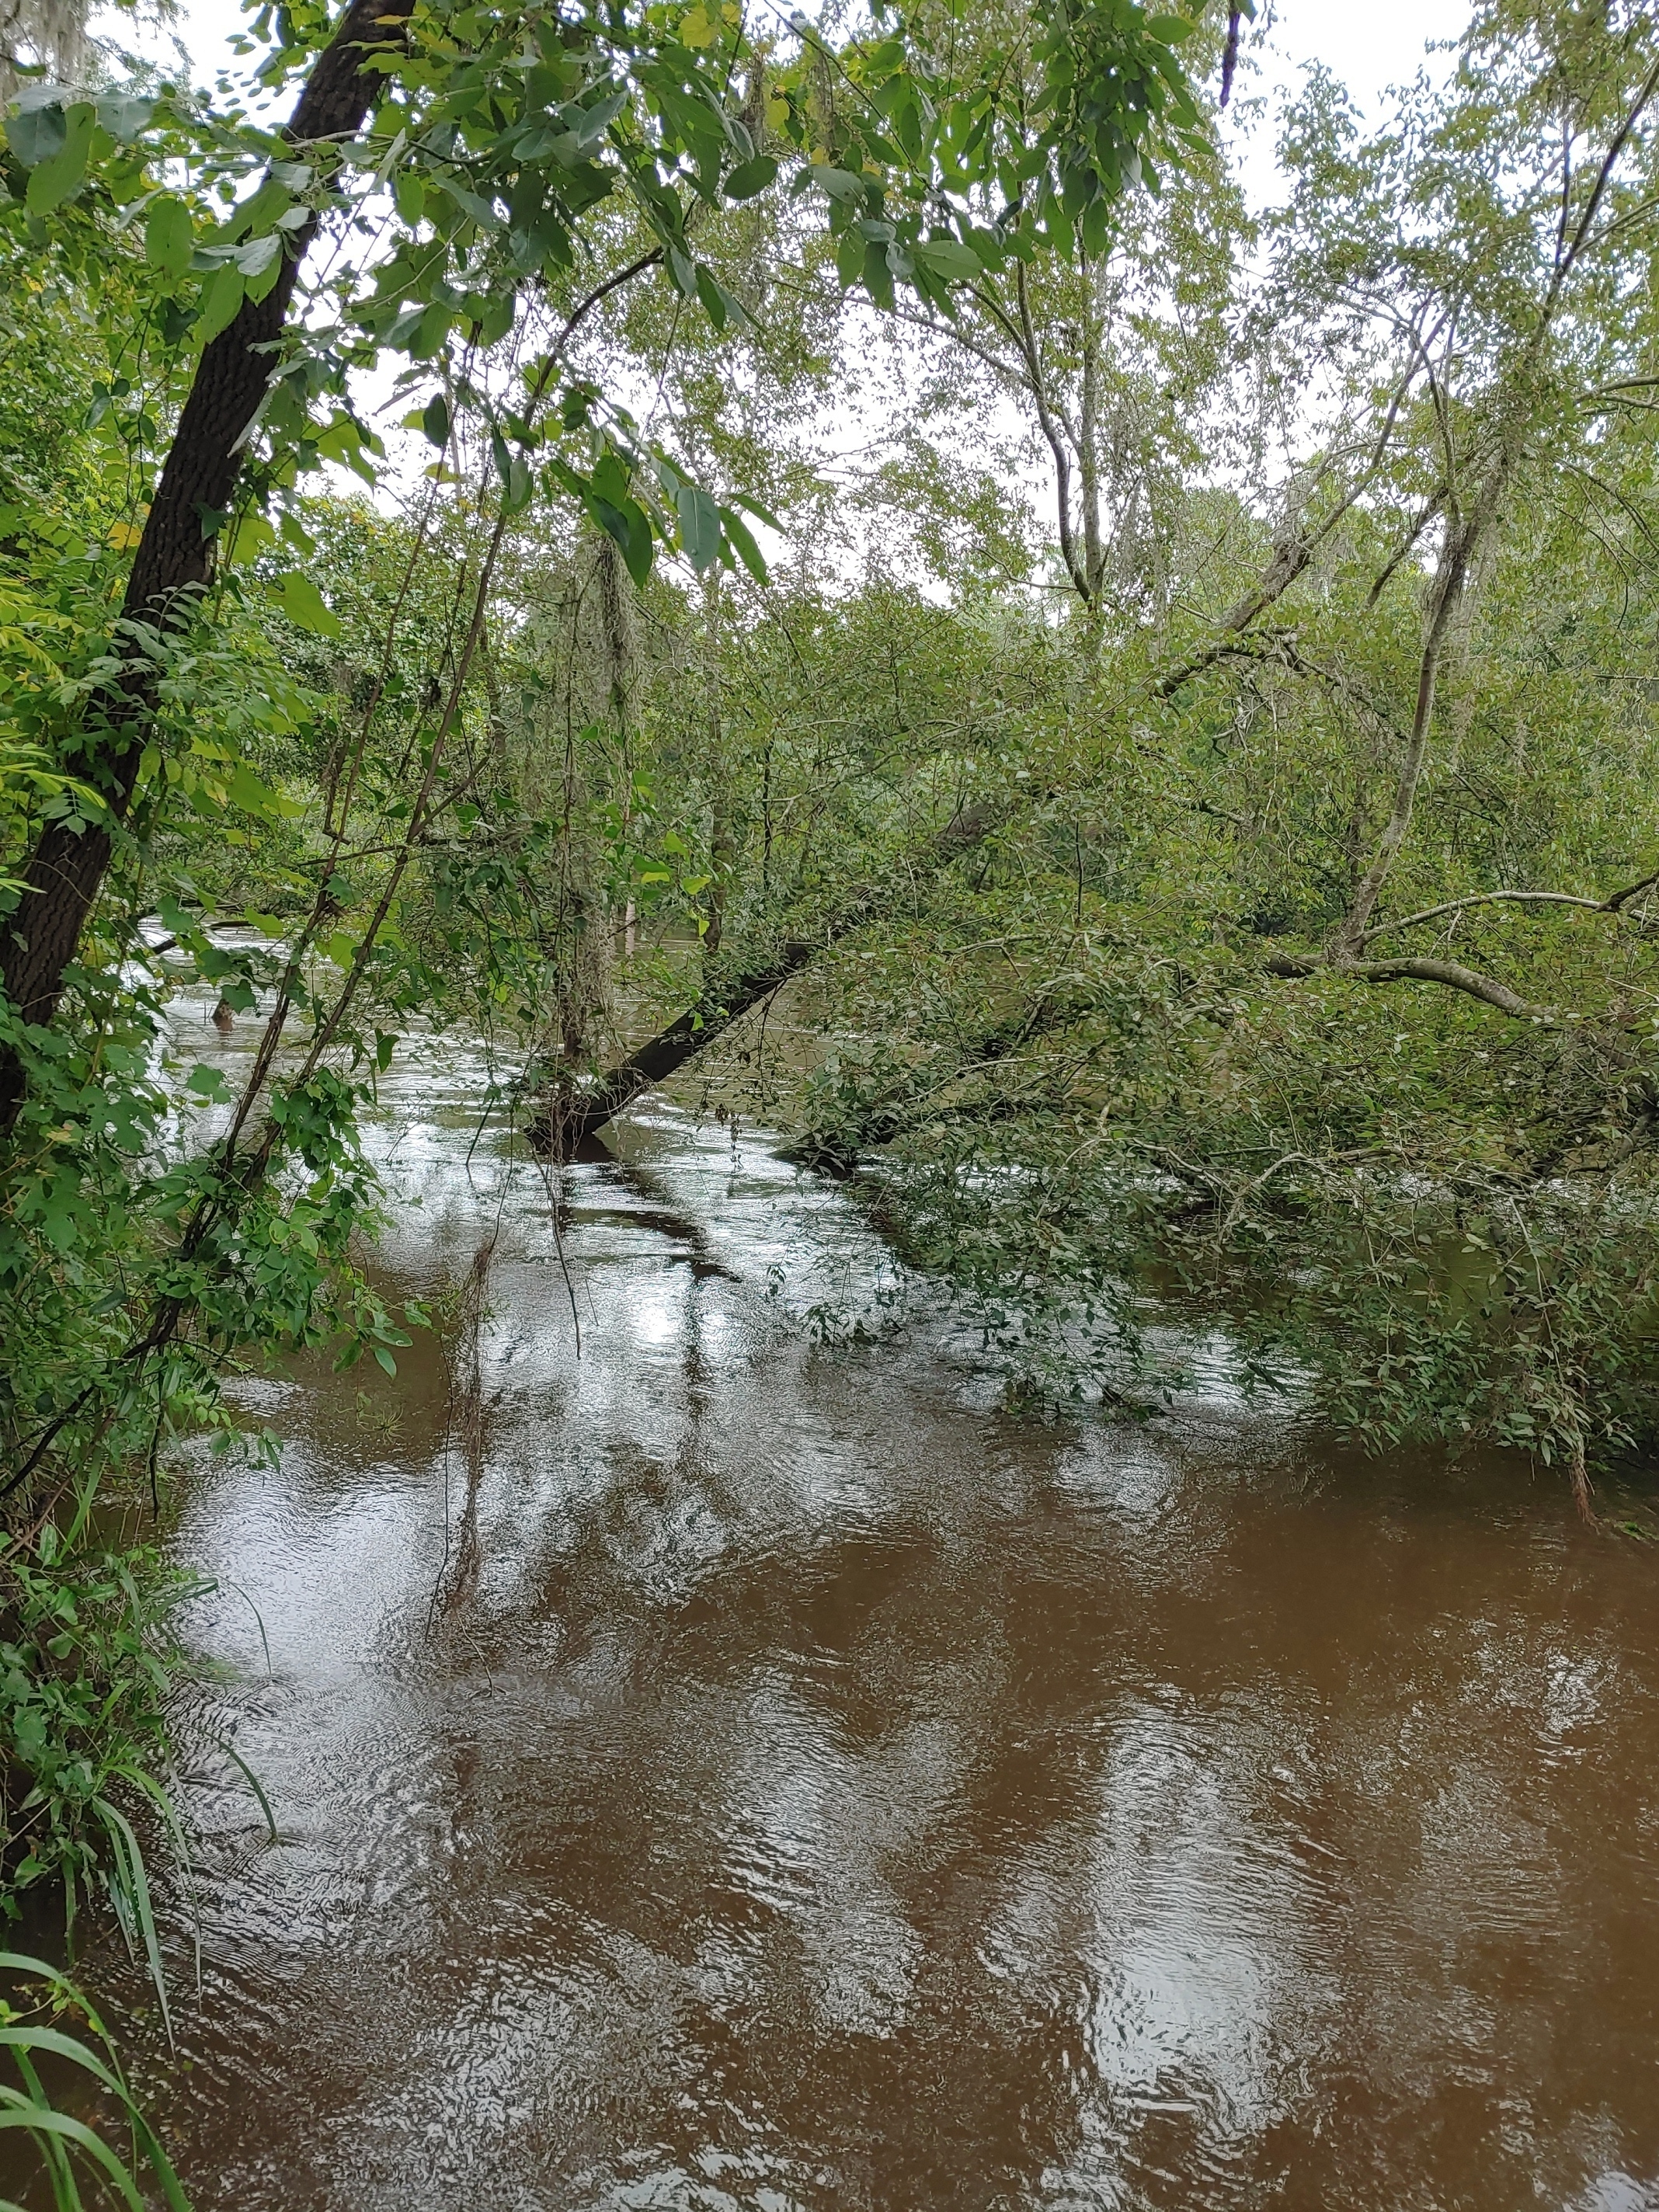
pixel 572 1116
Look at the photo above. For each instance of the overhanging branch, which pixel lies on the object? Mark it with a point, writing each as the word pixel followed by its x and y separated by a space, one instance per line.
pixel 1296 967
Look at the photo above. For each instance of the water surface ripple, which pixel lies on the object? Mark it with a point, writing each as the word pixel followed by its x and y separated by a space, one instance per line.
pixel 719 1771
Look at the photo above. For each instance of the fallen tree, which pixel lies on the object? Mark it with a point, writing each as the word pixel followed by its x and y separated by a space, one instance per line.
pixel 836 1142
pixel 572 1114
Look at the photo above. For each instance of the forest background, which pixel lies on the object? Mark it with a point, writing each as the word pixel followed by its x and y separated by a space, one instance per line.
pixel 851 566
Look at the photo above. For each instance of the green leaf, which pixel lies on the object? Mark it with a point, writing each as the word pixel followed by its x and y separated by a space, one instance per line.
pixel 209 1083
pixel 304 605
pixel 761 514
pixel 435 421
pixel 38 130
pixel 256 256
pixel 431 329
pixel 742 543
pixel 840 183
pixel 517 484
pixel 878 273
pixel 52 181
pixel 253 793
pixel 482 212
pixel 610 479
pixel 714 299
pixel 169 238
pixel 496 318
pixel 386 1359
pixel 700 526
pixel 221 298
pixel 252 534
pixel 124 114
pixel 590 123
pixel 948 259
pixel 410 197
pixel 751 177
pixel 630 527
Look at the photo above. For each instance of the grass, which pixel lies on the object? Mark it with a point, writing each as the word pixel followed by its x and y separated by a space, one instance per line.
pixel 75 2159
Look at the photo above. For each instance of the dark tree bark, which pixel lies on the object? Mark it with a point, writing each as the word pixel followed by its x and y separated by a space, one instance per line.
pixel 572 1117
pixel 175 561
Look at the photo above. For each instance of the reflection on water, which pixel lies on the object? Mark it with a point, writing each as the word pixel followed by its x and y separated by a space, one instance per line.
pixel 717 1772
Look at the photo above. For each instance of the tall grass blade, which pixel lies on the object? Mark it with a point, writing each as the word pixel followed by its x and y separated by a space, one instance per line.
pixel 59 2170
pixel 170 1821
pixel 264 1641
pixel 256 1786
pixel 44 2121
pixel 56 2134
pixel 129 1859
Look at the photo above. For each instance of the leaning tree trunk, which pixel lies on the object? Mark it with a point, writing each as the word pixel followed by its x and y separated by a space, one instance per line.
pixel 572 1117
pixel 175 557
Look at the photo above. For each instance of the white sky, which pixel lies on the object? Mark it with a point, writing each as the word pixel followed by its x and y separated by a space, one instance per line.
pixel 1366 47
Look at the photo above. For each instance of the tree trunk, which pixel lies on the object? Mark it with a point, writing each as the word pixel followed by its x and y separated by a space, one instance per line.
pixel 573 1118
pixel 1094 542
pixel 1054 435
pixel 175 561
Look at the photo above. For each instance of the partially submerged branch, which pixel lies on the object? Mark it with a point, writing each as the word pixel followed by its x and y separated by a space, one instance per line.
pixel 837 1146
pixel 572 1116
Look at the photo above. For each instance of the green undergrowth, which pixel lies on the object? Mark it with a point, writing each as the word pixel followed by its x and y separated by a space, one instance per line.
pixel 79 2165
pixel 1392 1310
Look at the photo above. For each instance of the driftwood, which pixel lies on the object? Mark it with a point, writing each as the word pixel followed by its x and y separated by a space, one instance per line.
pixel 571 1116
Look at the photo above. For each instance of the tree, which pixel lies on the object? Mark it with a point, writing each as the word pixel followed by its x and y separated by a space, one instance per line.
pixel 550 117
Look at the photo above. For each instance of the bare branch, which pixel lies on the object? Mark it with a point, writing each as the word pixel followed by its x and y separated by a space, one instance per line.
pixel 1056 444
pixel 1497 898
pixel 993 361
pixel 1297 966
pixel 1385 575
pixel 1290 558
pixel 1619 899
pixel 1466 536
pixel 1603 178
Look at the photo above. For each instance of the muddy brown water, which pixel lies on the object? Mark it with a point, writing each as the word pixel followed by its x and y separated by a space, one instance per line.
pixel 722 1769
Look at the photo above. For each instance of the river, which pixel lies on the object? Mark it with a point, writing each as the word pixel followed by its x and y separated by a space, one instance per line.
pixel 719 1768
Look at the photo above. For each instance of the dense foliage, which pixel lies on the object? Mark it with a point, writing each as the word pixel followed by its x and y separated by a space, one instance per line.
pixel 866 514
